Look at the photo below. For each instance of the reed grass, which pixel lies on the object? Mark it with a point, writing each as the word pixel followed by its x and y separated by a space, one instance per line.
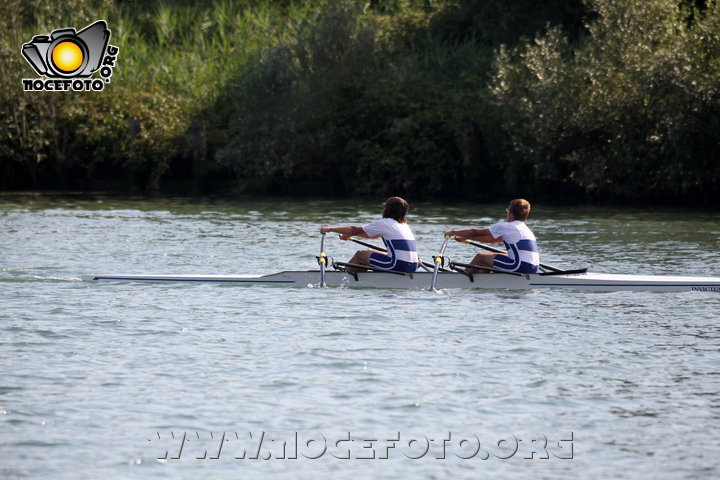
pixel 175 59
pixel 193 52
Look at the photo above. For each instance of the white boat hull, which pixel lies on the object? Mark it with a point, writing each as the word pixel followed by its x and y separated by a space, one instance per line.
pixel 421 280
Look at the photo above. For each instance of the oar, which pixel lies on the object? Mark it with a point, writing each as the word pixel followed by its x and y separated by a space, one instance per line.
pixel 382 249
pixel 497 250
pixel 369 245
pixel 322 261
pixel 438 262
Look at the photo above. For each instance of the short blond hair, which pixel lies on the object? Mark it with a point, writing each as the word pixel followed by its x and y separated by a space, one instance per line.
pixel 520 208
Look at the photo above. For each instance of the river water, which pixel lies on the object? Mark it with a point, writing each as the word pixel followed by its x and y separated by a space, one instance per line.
pixel 125 380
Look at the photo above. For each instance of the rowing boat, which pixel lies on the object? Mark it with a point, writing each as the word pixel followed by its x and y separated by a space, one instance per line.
pixel 445 280
pixel 439 277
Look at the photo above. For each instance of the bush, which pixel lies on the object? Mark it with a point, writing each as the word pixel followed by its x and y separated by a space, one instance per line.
pixel 629 113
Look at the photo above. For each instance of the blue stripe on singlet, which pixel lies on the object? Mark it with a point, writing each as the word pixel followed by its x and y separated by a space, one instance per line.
pixel 407 245
pixel 504 262
pixel 527 245
pixel 389 262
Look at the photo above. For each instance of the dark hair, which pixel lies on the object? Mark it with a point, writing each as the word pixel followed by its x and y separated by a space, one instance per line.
pixel 397 208
pixel 520 209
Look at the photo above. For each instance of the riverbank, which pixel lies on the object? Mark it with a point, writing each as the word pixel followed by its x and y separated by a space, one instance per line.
pixel 443 100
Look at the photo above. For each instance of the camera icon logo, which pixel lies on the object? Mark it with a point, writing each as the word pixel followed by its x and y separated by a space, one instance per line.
pixel 66 53
pixel 68 59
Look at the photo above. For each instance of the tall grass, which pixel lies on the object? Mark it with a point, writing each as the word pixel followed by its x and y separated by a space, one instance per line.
pixel 175 60
pixel 191 51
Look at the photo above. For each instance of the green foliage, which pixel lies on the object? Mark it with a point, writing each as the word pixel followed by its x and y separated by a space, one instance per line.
pixel 350 107
pixel 34 145
pixel 286 107
pixel 174 61
pixel 632 112
pixel 595 99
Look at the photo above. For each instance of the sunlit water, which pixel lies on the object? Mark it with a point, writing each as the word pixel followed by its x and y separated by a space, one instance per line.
pixel 109 380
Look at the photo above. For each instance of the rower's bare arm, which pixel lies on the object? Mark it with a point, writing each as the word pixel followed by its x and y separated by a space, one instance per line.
pixel 475 234
pixel 484 235
pixel 352 231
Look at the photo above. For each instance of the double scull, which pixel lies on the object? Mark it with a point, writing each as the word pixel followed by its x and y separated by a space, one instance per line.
pixel 439 277
pixel 445 280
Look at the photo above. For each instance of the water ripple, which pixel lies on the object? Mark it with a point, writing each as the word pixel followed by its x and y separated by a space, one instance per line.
pixel 101 369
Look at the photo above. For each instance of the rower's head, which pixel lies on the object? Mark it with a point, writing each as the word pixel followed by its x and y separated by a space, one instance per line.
pixel 397 208
pixel 519 209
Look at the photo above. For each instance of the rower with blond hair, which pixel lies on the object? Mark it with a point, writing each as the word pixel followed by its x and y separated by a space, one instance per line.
pixel 522 252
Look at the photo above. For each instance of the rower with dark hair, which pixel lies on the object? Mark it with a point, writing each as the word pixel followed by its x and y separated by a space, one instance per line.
pixel 399 240
pixel 522 252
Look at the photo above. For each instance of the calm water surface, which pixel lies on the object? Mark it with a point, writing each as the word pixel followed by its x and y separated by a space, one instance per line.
pixel 101 380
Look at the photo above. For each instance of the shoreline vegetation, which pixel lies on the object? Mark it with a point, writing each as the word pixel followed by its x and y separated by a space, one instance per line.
pixel 595 101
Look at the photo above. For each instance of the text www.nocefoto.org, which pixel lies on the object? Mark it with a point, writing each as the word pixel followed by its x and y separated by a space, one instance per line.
pixel 264 446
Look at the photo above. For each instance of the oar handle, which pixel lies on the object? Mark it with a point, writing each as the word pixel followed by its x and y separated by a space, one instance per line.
pixel 369 245
pixel 485 247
